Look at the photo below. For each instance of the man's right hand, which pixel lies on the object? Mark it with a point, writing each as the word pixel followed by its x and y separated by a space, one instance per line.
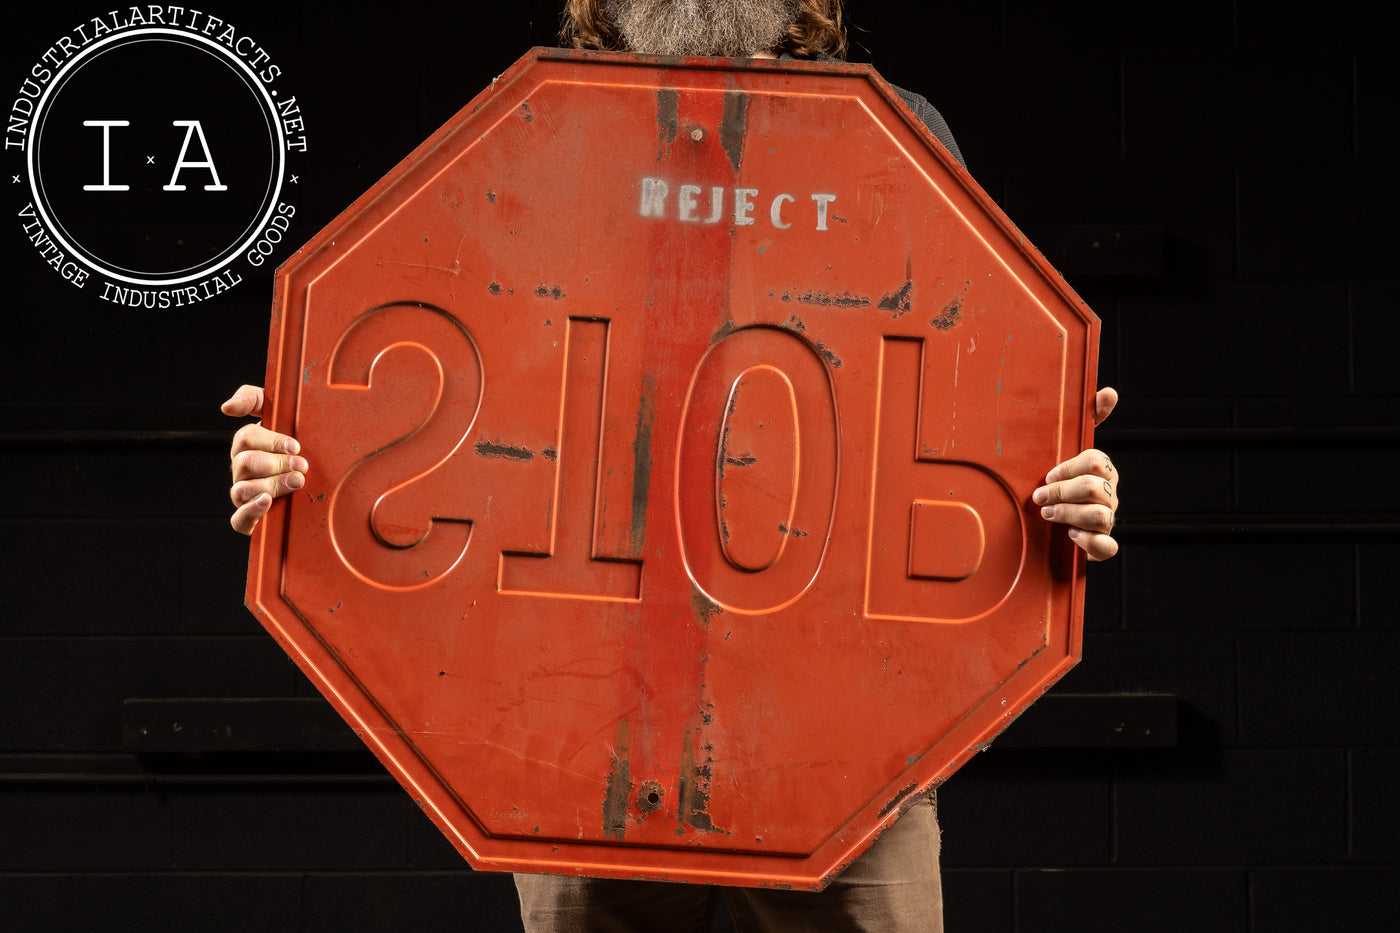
pixel 265 464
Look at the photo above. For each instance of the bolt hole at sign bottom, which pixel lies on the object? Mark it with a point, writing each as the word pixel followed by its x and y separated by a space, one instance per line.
pixel 649 796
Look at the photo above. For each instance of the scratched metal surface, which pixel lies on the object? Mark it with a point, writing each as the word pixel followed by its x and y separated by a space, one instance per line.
pixel 673 433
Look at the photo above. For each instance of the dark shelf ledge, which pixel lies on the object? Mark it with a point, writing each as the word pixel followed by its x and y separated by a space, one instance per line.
pixel 300 725
pixel 1095 720
pixel 1102 251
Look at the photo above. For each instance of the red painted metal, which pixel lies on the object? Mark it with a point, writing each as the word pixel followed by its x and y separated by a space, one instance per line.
pixel 673 431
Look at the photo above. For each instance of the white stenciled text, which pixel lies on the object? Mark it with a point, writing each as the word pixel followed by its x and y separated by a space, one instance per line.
pixel 741 207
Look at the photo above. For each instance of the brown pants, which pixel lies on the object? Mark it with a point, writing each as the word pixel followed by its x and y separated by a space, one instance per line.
pixel 893 888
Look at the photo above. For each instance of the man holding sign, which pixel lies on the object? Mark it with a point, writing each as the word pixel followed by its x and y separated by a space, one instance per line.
pixel 895 885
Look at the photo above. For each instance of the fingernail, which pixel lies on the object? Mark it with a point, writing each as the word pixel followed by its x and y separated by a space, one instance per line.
pixel 1047 512
pixel 295 480
pixel 291 446
pixel 1074 534
pixel 1041 496
pixel 1053 476
pixel 298 464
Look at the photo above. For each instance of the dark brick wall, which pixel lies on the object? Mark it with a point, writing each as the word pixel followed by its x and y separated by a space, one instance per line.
pixel 1257 433
pixel 1257 436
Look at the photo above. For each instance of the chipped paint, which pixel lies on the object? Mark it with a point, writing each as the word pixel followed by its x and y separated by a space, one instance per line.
pixel 828 355
pixel 723 520
pixel 725 329
pixel 832 301
pixel 702 605
pixel 498 449
pixel 899 798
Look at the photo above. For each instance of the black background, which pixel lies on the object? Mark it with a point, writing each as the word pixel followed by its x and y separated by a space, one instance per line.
pixel 1252 148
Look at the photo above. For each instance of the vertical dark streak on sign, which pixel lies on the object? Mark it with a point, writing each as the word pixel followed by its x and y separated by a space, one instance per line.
pixel 734 126
pixel 667 119
pixel 694 803
pixel 619 785
pixel 641 464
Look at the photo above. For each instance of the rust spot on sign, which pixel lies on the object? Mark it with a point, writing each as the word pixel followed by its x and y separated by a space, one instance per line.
pixel 898 300
pixel 950 316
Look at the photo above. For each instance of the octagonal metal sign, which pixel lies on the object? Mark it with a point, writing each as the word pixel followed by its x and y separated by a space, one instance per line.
pixel 673 428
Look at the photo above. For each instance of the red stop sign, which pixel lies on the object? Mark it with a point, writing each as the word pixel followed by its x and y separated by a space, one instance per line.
pixel 673 434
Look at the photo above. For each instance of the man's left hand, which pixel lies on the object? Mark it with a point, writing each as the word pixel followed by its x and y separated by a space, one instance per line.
pixel 1082 492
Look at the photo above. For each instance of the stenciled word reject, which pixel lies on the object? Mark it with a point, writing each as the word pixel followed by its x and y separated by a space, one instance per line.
pixel 656 197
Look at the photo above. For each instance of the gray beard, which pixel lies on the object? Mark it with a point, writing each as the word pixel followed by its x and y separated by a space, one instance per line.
pixel 731 28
